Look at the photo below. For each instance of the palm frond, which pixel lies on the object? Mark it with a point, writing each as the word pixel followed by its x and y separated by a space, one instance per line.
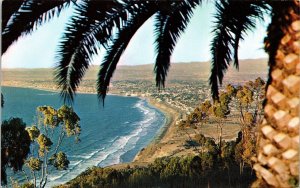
pixel 170 22
pixel 91 27
pixel 119 44
pixel 29 16
pixel 234 18
pixel 84 41
pixel 9 7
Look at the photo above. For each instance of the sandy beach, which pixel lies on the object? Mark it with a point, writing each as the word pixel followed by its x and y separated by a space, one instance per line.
pixel 156 148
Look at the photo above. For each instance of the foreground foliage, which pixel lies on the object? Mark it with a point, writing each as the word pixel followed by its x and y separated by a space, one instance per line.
pixel 215 167
pixel 241 103
pixel 15 146
pixel 34 146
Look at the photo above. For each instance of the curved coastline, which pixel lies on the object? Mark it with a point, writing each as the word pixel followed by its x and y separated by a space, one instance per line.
pixel 157 147
pixel 165 133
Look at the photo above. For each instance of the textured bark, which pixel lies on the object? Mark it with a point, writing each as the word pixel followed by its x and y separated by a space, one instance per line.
pixel 277 161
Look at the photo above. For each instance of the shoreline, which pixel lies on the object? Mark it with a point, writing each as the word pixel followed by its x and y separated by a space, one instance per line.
pixel 164 134
pixel 77 92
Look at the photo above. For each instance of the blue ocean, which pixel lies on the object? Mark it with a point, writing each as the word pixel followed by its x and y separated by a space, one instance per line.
pixel 110 135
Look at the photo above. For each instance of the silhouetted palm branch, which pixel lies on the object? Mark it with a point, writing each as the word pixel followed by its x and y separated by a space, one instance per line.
pixel 119 44
pixel 233 20
pixel 170 22
pixel 30 15
pixel 9 8
pixel 91 27
pixel 85 32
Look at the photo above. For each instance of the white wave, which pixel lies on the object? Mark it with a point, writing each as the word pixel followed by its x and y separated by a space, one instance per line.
pixel 119 146
pixel 139 104
pixel 53 177
pixel 75 163
pixel 87 155
pixel 127 143
pixel 112 140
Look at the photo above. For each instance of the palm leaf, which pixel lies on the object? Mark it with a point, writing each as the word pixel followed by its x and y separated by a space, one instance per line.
pixel 170 22
pixel 79 45
pixel 119 44
pixel 95 21
pixel 80 42
pixel 233 20
pixel 9 7
pixel 30 15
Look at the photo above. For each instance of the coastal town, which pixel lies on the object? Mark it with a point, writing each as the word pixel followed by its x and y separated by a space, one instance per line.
pixel 181 95
pixel 184 90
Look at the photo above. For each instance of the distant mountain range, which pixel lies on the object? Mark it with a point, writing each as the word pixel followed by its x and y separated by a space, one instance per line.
pixel 249 69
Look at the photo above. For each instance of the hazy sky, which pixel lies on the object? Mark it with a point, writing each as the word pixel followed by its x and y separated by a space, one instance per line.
pixel 38 49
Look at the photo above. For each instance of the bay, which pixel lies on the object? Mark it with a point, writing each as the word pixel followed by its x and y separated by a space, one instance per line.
pixel 110 135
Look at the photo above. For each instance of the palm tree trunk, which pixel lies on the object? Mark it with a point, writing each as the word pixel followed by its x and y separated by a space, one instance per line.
pixel 277 161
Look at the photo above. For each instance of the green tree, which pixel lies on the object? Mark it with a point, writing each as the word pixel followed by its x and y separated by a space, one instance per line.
pixel 204 111
pixel 15 146
pixel 27 185
pixel 18 142
pixel 196 120
pixel 242 99
pixel 248 103
pixel 258 89
pixel 205 106
pixel 41 136
pixel 220 110
pixel 231 90
pixel 33 132
pixel 60 161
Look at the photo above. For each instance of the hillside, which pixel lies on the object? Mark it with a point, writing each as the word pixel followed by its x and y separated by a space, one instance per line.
pixel 249 69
